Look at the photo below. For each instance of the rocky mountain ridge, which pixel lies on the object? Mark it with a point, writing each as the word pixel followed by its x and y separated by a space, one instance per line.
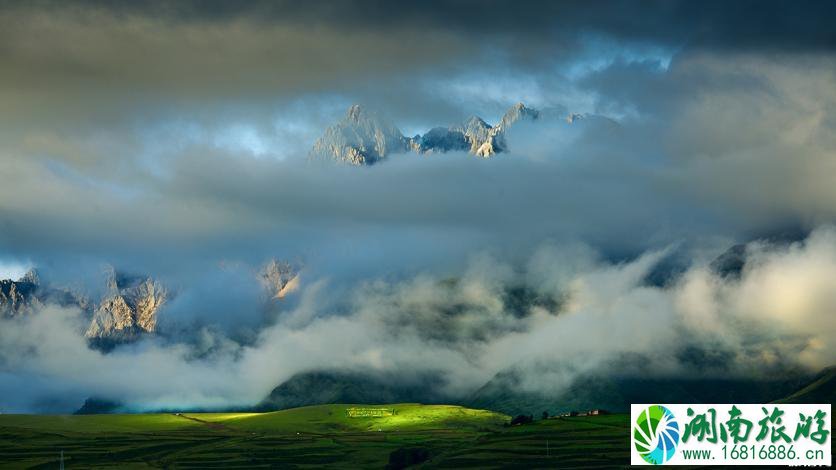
pixel 17 297
pixel 28 294
pixel 363 137
pixel 128 309
pixel 279 278
pixel 360 138
pixel 130 306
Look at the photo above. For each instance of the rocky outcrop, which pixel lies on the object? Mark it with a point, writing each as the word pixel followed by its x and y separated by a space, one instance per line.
pixel 484 140
pixel 441 139
pixel 18 297
pixel 128 310
pixel 360 138
pixel 279 278
pixel 363 138
pixel 130 306
pixel 518 112
pixel 28 294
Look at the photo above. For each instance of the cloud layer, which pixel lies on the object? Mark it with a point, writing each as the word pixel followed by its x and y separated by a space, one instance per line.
pixel 777 314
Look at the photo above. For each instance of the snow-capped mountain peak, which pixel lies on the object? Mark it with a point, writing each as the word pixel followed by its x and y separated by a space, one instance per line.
pixel 362 137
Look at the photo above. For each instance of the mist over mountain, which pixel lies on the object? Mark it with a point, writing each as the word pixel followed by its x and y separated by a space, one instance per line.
pixel 456 338
pixel 615 393
pixel 323 386
pixel 364 138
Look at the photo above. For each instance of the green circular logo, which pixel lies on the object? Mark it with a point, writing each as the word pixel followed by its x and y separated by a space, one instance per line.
pixel 656 434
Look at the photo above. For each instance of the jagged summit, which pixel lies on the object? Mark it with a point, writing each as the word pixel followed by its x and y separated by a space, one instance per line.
pixel 476 123
pixel 129 308
pixel 28 294
pixel 357 113
pixel 17 297
pixel 31 277
pixel 361 137
pixel 279 278
pixel 116 280
pixel 518 112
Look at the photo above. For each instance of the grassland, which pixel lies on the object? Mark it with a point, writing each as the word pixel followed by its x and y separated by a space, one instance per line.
pixel 311 437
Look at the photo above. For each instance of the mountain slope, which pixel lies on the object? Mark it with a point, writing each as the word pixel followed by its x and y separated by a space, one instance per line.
pixel 324 387
pixel 336 417
pixel 505 393
pixel 96 406
pixel 822 389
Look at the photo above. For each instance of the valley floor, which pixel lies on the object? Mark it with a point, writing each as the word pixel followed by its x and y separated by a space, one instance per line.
pixel 336 436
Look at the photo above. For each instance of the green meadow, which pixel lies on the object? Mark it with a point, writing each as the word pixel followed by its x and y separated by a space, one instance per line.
pixel 336 436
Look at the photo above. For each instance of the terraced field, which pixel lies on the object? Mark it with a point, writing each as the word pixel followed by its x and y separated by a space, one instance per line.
pixel 318 436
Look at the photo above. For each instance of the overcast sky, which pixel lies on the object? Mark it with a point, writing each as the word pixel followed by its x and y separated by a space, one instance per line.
pixel 170 138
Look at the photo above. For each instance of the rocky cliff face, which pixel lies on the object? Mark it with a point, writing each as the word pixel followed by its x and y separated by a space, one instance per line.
pixel 518 112
pixel 17 297
pixel 441 139
pixel 363 138
pixel 128 310
pixel 28 294
pixel 360 138
pixel 480 135
pixel 130 306
pixel 278 278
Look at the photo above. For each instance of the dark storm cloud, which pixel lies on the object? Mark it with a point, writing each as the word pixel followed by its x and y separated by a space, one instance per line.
pixel 79 62
pixel 714 23
pixel 72 66
pixel 669 174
